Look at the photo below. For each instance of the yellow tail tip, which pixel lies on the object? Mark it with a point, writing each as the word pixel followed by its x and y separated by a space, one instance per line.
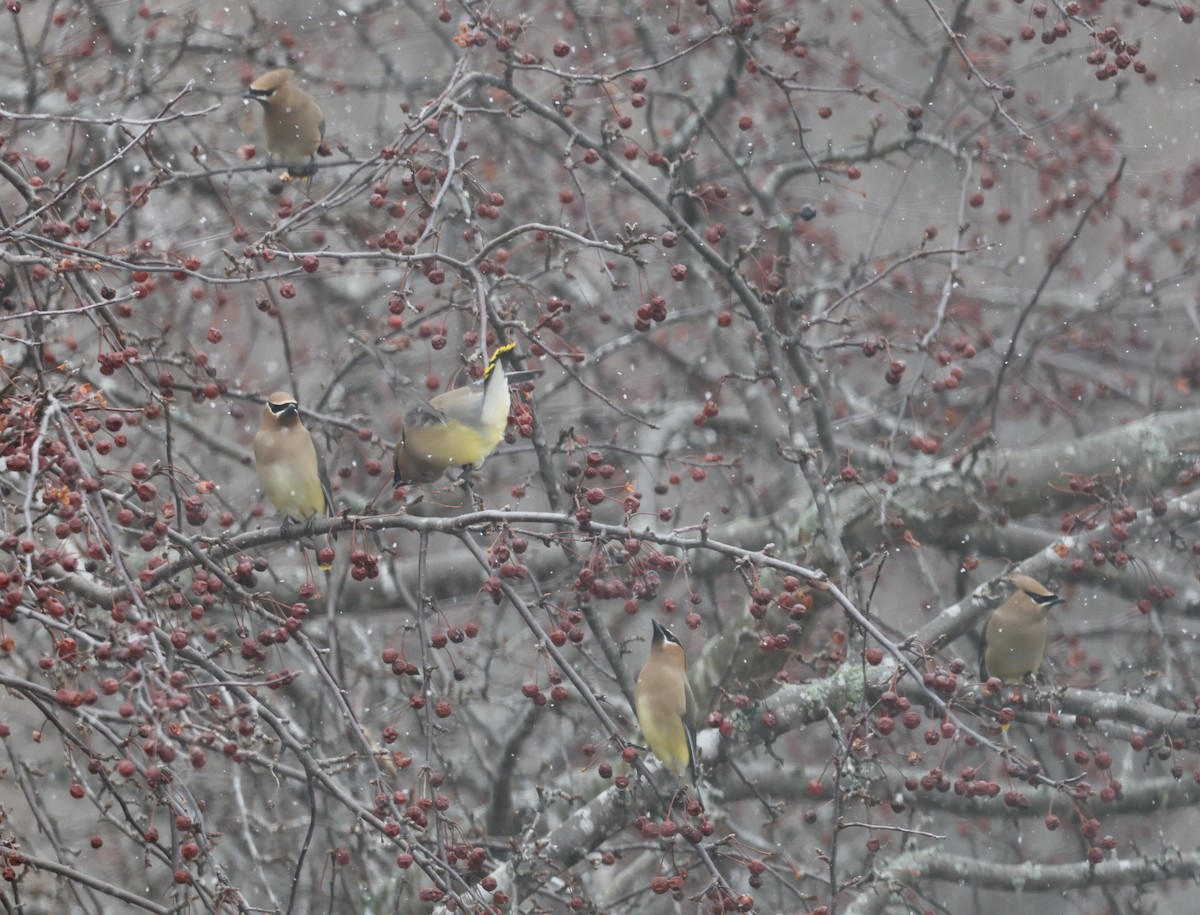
pixel 496 354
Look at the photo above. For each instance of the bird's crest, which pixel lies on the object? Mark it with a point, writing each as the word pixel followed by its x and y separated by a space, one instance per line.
pixel 264 87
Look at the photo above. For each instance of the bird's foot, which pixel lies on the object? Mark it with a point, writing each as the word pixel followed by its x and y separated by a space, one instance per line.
pixel 464 481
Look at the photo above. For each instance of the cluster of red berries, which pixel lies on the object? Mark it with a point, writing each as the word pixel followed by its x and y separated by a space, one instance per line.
pixel 558 691
pixel 363 565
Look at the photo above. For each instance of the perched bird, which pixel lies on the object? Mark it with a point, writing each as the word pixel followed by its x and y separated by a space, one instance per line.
pixel 664 704
pixel 458 428
pixel 290 469
pixel 1014 638
pixel 292 121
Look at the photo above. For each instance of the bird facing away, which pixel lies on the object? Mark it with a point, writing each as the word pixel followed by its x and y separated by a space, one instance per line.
pixel 292 122
pixel 664 704
pixel 1014 638
pixel 458 428
pixel 290 470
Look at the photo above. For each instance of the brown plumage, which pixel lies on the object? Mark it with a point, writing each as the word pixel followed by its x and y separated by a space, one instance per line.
pixel 292 122
pixel 290 469
pixel 1014 638
pixel 458 428
pixel 664 704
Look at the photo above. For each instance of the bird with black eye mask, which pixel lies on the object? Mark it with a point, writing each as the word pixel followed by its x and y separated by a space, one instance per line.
pixel 664 704
pixel 292 122
pixel 1014 639
pixel 290 469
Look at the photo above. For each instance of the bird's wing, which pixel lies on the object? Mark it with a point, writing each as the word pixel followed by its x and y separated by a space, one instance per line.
pixel 463 405
pixel 326 487
pixel 423 413
pixel 983 644
pixel 689 726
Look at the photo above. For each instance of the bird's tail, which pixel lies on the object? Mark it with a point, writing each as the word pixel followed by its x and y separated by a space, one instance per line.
pixel 511 377
pixel 496 354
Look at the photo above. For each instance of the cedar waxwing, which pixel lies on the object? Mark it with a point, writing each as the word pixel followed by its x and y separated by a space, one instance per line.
pixel 1015 635
pixel 664 704
pixel 292 121
pixel 290 469
pixel 458 428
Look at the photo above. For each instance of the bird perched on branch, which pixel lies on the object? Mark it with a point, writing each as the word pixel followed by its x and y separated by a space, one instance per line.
pixel 292 122
pixel 664 704
pixel 1014 638
pixel 458 428
pixel 290 469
